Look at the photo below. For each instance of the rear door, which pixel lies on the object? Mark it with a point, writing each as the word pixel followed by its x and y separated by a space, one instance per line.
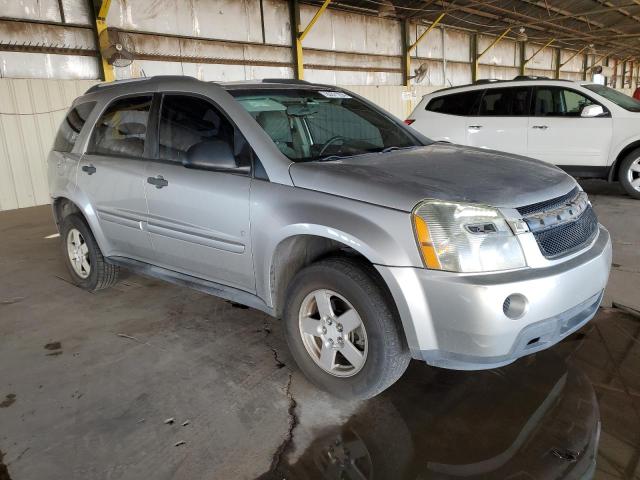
pixel 559 135
pixel 445 117
pixel 199 219
pixel 112 175
pixel 501 122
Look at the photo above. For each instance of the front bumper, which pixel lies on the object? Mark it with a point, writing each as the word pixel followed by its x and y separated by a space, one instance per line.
pixel 457 321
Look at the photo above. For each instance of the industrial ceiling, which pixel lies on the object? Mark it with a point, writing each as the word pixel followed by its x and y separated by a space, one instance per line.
pixel 603 27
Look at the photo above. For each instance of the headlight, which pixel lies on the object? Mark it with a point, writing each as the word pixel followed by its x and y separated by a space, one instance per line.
pixel 462 237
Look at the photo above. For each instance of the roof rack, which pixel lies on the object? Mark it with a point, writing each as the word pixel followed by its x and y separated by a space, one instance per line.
pixel 518 78
pixel 285 80
pixel 116 83
pixel 487 80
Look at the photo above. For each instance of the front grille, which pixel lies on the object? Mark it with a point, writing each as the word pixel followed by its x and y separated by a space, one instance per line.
pixel 548 204
pixel 566 238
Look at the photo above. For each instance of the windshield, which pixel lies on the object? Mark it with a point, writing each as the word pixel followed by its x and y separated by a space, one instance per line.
pixel 619 98
pixel 309 125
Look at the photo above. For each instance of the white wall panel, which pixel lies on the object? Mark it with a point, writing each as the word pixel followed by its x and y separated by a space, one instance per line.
pixel 30 114
pixel 31 9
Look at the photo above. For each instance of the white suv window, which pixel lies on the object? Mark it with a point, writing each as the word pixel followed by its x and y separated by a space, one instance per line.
pixel 464 103
pixel 505 102
pixel 559 102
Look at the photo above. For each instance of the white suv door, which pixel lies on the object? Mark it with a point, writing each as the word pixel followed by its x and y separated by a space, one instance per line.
pixel 558 134
pixel 502 120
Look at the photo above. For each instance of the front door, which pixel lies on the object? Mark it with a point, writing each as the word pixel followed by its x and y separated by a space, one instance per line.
pixel 559 135
pixel 112 175
pixel 198 219
pixel 501 123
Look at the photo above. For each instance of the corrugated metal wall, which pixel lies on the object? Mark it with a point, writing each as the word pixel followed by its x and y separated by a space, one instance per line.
pixel 32 109
pixel 30 113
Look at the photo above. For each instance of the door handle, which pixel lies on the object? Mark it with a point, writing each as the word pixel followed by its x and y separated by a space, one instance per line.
pixel 158 181
pixel 475 127
pixel 540 127
pixel 89 169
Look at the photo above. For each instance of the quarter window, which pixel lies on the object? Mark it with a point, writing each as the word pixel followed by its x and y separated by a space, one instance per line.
pixel 71 127
pixel 122 128
pixel 465 103
pixel 559 102
pixel 505 102
pixel 186 121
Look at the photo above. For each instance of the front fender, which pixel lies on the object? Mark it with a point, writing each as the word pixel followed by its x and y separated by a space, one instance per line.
pixel 383 236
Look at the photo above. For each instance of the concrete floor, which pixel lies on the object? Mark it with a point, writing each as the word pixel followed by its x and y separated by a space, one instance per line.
pixel 87 382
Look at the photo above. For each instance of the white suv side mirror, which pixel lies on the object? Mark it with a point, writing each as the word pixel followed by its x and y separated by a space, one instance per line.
pixel 592 111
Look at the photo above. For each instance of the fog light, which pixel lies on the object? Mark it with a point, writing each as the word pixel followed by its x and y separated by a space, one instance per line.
pixel 515 306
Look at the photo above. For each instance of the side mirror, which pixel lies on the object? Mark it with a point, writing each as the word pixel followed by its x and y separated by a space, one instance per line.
pixel 591 111
pixel 210 155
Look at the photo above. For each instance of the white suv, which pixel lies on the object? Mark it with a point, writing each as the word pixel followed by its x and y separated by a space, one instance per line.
pixel 588 130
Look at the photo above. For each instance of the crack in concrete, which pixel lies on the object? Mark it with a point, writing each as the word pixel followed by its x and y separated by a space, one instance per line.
pixel 283 448
pixel 293 421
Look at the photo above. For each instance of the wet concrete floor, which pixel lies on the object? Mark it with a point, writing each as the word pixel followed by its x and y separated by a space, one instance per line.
pixel 149 380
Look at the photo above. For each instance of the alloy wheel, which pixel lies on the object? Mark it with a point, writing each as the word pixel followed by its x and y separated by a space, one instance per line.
pixel 78 252
pixel 333 333
pixel 633 174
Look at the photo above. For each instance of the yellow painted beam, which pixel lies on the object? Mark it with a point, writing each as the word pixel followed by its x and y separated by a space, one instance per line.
pixel 573 56
pixel 423 34
pixel 539 50
pixel 101 26
pixel 300 37
pixel 314 19
pixel 491 45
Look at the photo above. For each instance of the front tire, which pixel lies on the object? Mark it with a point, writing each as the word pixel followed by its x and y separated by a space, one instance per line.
pixel 629 174
pixel 83 258
pixel 343 330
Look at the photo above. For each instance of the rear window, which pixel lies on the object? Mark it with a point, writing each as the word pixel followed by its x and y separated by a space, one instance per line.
pixel 72 126
pixel 465 103
pixel 505 102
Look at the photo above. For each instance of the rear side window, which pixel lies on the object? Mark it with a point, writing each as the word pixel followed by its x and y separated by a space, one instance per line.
pixel 465 103
pixel 122 128
pixel 559 102
pixel 71 127
pixel 505 102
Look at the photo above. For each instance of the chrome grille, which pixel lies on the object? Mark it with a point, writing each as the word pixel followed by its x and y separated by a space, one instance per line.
pixel 562 225
pixel 548 204
pixel 570 237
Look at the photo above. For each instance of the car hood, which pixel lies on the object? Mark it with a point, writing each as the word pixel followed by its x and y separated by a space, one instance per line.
pixel 400 179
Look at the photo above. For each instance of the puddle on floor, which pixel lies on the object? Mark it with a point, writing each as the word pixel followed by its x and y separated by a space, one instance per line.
pixel 537 418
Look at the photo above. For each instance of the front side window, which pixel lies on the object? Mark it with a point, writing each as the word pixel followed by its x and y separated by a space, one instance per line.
pixel 465 103
pixel 122 128
pixel 71 127
pixel 619 98
pixel 559 102
pixel 309 125
pixel 505 102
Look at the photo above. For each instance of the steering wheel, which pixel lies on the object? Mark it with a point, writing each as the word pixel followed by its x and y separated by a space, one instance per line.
pixel 330 142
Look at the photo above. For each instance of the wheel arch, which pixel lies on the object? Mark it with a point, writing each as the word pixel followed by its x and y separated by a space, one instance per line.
pixel 295 252
pixel 63 206
pixel 615 167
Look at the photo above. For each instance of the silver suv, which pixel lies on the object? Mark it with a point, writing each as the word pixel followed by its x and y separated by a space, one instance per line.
pixel 372 243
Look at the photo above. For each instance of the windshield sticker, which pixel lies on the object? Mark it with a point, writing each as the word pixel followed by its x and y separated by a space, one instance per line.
pixel 334 94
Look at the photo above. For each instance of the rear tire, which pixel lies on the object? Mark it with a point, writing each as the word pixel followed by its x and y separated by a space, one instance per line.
pixel 629 173
pixel 83 258
pixel 362 322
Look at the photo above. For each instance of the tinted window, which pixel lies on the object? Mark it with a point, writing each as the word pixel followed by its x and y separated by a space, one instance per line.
pixel 465 103
pixel 122 128
pixel 309 125
pixel 71 127
pixel 505 102
pixel 559 102
pixel 186 121
pixel 619 98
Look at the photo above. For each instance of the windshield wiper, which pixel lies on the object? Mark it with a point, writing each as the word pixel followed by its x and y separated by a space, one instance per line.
pixel 391 149
pixel 329 158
